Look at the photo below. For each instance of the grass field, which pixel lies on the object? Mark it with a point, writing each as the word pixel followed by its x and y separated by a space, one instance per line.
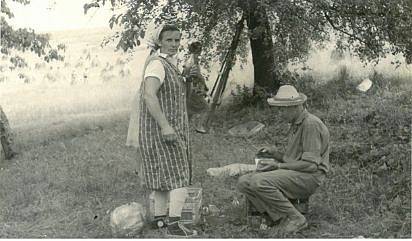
pixel 65 184
pixel 73 167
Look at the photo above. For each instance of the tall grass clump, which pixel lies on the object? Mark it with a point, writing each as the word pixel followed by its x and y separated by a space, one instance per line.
pixel 382 83
pixel 244 97
pixel 341 86
pixel 371 135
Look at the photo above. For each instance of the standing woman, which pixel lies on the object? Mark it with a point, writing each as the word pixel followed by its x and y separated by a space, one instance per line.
pixel 160 121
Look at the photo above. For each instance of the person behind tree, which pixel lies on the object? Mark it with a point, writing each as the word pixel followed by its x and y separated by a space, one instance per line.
pixel 294 174
pixel 197 90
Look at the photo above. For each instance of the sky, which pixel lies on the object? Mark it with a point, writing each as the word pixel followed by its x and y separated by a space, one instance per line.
pixel 55 15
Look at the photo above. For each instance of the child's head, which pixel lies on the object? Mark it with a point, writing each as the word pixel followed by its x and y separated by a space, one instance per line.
pixel 195 47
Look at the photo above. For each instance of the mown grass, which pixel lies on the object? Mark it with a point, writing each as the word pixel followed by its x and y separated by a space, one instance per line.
pixel 65 185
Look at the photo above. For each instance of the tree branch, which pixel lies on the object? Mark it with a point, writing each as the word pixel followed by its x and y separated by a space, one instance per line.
pixel 341 30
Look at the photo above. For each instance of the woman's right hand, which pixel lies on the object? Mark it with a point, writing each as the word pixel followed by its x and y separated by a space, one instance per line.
pixel 169 134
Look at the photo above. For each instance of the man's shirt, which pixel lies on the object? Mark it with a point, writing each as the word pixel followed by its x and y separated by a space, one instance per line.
pixel 308 140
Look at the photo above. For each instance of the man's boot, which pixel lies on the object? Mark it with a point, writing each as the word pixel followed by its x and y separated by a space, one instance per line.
pixel 302 205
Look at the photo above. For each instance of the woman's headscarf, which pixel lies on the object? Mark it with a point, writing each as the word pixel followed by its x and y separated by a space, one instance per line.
pixel 153 41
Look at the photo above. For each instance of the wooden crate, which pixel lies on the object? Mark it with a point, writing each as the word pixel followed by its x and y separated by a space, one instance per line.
pixel 192 208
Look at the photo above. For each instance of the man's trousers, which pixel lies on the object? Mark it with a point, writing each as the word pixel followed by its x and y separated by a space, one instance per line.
pixel 270 191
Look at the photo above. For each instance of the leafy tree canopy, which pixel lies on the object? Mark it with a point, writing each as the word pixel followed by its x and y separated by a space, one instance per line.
pixel 369 28
pixel 24 39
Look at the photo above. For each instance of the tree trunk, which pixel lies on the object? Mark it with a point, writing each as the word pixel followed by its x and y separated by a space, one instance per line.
pixel 262 48
pixel 6 151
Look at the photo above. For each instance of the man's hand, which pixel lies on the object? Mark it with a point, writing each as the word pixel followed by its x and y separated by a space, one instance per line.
pixel 267 166
pixel 273 152
pixel 265 149
pixel 169 134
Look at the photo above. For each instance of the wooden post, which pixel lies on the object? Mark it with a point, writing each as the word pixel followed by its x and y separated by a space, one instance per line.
pixel 223 76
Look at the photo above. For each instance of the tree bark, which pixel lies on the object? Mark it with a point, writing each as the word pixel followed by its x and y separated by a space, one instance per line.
pixel 262 47
pixel 6 141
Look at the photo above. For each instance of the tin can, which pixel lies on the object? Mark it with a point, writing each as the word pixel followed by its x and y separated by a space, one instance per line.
pixel 263 160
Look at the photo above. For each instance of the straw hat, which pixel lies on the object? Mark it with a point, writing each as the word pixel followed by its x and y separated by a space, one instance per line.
pixel 287 95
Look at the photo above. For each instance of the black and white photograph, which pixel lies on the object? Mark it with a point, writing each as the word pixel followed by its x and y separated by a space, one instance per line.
pixel 205 119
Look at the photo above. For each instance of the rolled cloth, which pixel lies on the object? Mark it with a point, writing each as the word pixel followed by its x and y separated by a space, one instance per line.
pixel 231 170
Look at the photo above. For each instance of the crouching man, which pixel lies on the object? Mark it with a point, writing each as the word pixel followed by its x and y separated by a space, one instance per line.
pixel 295 174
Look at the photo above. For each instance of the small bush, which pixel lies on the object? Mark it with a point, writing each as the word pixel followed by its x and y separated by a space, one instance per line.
pixel 246 97
pixel 53 55
pixel 18 62
pixel 322 95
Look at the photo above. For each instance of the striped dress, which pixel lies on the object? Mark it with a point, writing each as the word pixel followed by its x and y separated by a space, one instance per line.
pixel 165 166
